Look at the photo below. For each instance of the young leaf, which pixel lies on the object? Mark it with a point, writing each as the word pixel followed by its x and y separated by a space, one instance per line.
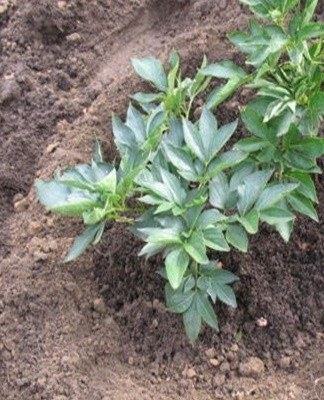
pixel 237 237
pixel 214 239
pixel 303 205
pixel 251 189
pixel 150 69
pixel 223 292
pixel 221 93
pixel 192 321
pixel 176 264
pixel 135 121
pixel 162 235
pixel 224 161
pixel 311 31
pixel 146 98
pixel 219 191
pixel 276 215
pixel 178 301
pixel 273 194
pixel 309 9
pixel 83 241
pixel 206 311
pixel 124 136
pixel 61 199
pixel 108 183
pixel 209 217
pixel 194 140
pixel 285 229
pixel 196 248
pixel 250 221
pixel 306 185
pixel 224 69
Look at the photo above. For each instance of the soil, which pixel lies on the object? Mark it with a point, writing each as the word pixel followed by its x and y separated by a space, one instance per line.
pixel 97 329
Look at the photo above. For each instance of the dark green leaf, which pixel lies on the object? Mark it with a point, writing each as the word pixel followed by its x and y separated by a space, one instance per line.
pixel 306 185
pixel 221 93
pixel 219 191
pixel 192 321
pixel 83 241
pixel 223 292
pixel 237 237
pixel 276 215
pixel 194 140
pixel 224 161
pixel 206 311
pixel 178 301
pixel 209 217
pixel 176 264
pixel 273 194
pixel 303 205
pixel 196 248
pixel 251 188
pixel 214 239
pixel 250 221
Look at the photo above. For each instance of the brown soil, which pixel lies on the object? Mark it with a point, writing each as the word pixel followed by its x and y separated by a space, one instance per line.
pixel 97 329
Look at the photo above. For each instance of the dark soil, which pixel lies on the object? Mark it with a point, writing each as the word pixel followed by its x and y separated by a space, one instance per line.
pixel 97 329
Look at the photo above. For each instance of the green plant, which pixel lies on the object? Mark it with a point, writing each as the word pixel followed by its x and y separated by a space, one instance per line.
pixel 182 187
pixel 283 118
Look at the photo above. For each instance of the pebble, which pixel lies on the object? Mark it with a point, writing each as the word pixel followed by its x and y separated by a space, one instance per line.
pixel 74 37
pixel 253 368
pixel 61 4
pixel 214 362
pixel 51 147
pixel 218 380
pixel 225 367
pixel 4 7
pixel 230 356
pixel 285 362
pixel 99 305
pixel 35 227
pixel 9 90
pixel 155 323
pixel 21 205
pixel 190 373
pixel 210 353
pixel 40 256
pixel 235 348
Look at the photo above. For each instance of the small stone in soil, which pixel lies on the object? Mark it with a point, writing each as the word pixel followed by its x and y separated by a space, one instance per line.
pixel 214 362
pixel 285 362
pixel 99 305
pixel 190 373
pixel 210 353
pixel 235 348
pixel 74 37
pixel 218 380
pixel 225 367
pixel 51 147
pixel 253 367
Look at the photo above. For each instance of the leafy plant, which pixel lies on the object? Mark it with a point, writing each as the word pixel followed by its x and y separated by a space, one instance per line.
pixel 283 120
pixel 176 95
pixel 186 187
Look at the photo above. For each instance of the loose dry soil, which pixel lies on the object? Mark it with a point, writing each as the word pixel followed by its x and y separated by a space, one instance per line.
pixel 97 329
